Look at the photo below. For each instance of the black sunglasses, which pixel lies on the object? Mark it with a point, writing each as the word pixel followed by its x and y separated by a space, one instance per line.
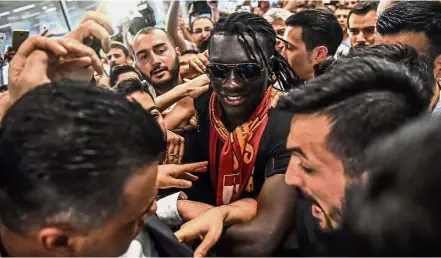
pixel 247 72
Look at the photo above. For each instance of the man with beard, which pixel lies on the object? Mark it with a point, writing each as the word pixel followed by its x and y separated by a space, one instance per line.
pixel 337 116
pixel 158 61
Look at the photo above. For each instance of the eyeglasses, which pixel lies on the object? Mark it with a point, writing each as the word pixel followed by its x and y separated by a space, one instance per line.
pixel 247 72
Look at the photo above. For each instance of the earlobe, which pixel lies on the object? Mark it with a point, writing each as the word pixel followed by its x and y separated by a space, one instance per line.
pixel 54 239
pixel 320 54
pixel 437 67
pixel 178 51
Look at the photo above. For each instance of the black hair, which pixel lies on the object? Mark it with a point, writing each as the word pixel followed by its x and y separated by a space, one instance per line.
pixel 67 149
pixel 363 8
pixel 189 51
pixel 119 45
pixel 319 28
pixel 396 212
pixel 245 23
pixel 415 16
pixel 417 63
pixel 148 30
pixel 370 101
pixel 131 85
pixel 120 69
pixel 306 6
pixel 197 19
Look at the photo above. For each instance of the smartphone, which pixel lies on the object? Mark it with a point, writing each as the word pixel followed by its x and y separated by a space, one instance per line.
pixel 18 37
pixel 2 44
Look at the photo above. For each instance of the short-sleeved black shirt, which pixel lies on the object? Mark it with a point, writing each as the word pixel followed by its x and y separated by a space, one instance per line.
pixel 272 156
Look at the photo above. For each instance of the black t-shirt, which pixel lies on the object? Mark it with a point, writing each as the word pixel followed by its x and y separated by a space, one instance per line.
pixel 272 156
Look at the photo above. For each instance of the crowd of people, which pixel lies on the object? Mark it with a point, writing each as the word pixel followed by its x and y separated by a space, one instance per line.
pixel 300 129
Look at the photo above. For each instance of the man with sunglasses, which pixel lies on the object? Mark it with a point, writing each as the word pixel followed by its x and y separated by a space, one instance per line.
pixel 244 140
pixel 361 24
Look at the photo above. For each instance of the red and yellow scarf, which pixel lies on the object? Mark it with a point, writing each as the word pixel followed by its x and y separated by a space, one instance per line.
pixel 239 151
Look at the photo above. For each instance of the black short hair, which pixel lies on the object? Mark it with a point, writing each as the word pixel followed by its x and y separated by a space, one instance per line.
pixel 119 45
pixel 396 212
pixel 245 23
pixel 131 85
pixel 363 8
pixel 414 16
pixel 189 51
pixel 197 19
pixel 120 69
pixel 67 150
pixel 319 28
pixel 417 63
pixel 148 30
pixel 369 102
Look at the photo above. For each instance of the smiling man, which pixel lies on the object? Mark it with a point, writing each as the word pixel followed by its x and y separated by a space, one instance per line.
pixel 337 116
pixel 243 138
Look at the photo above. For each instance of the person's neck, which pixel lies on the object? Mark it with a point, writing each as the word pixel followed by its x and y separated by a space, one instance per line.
pixel 161 90
pixel 345 35
pixel 18 246
pixel 436 96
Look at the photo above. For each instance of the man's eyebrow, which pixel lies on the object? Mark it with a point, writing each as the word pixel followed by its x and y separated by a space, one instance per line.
pixel 298 150
pixel 284 41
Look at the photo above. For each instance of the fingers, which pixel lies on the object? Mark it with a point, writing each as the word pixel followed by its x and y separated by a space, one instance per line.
pixel 77 49
pixel 91 28
pixel 208 242
pixel 181 151
pixel 206 54
pixel 36 42
pixel 190 177
pixel 204 58
pixel 177 183
pixel 176 150
pixel 193 167
pixel 186 234
pixel 100 18
pixel 195 66
pixel 170 152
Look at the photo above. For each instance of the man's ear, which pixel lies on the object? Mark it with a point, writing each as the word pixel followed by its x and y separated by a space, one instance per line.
pixel 178 52
pixel 56 240
pixel 437 67
pixel 319 55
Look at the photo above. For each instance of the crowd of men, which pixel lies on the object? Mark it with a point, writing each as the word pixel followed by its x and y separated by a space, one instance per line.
pixel 300 129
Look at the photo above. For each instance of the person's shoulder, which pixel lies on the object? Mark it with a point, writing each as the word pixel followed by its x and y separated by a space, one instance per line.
pixel 277 130
pixel 201 103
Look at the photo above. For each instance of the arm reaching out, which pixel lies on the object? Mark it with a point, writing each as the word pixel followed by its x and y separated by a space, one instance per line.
pixel 173 25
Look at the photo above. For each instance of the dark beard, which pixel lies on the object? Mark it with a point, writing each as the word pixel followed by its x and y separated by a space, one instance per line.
pixel 165 86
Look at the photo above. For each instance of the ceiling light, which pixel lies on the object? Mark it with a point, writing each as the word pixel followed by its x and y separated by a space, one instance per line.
pixel 5 13
pixel 26 7
pixel 5 26
pixel 44 8
pixel 51 9
pixel 30 15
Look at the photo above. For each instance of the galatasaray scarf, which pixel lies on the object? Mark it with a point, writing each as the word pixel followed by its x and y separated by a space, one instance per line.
pixel 239 151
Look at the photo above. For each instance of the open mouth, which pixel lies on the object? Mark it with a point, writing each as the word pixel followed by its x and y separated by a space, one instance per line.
pixel 234 100
pixel 158 71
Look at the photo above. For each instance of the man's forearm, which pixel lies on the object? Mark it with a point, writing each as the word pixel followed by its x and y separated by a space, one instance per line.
pixel 173 25
pixel 240 211
pixel 171 97
pixel 263 234
pixel 189 210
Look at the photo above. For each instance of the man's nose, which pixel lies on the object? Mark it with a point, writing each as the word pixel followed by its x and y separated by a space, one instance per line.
pixel 360 37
